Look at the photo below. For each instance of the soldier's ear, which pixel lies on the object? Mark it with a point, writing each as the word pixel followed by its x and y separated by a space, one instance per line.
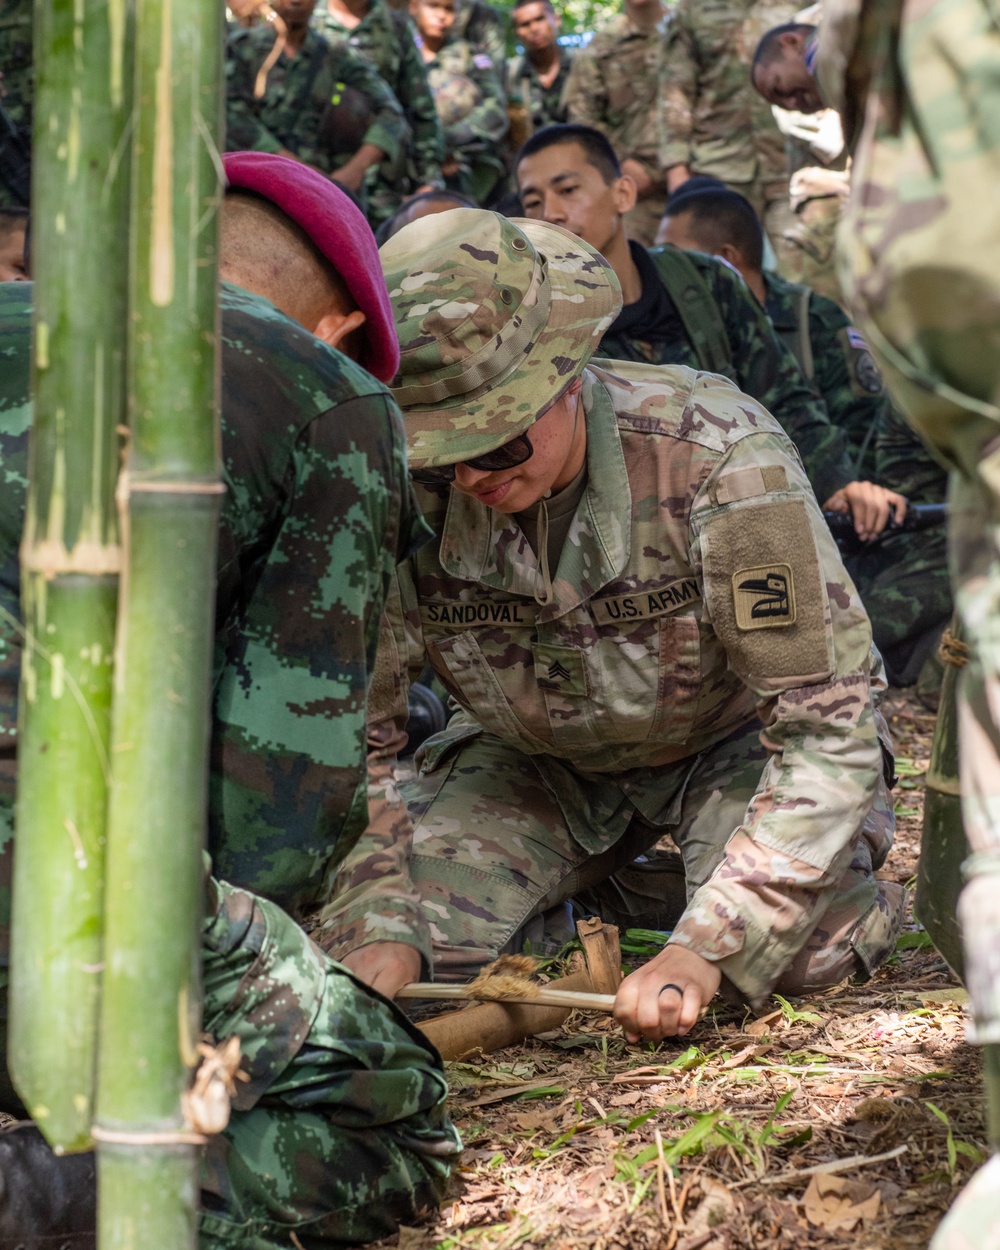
pixel 336 329
pixel 626 193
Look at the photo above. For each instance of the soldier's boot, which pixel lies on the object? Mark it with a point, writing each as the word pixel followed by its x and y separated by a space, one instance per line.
pixel 47 1201
pixel 973 1223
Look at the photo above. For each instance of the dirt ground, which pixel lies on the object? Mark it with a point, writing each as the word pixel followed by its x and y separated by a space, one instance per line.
pixel 847 1120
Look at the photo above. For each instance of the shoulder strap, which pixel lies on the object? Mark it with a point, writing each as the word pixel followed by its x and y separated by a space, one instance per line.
pixel 798 340
pixel 697 308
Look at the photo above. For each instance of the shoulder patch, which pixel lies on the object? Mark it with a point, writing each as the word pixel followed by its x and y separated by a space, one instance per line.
pixel 856 339
pixel 482 61
pixel 764 597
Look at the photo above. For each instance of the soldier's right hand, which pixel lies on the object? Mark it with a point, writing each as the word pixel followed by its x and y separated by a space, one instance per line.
pixel 871 506
pixel 385 966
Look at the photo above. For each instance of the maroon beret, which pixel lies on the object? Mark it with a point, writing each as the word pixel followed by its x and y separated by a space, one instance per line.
pixel 338 228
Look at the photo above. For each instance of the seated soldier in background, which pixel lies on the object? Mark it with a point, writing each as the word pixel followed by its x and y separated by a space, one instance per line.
pixel 612 552
pixel 426 204
pixel 469 98
pixel 536 78
pixel 384 36
pixel 685 308
pixel 903 579
pixel 296 107
pixel 340 1133
pixel 13 236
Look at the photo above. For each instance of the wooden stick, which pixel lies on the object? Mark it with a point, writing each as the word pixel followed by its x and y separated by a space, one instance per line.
pixel 533 995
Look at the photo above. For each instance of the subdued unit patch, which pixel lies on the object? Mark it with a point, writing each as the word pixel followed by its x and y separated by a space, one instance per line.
pixel 748 550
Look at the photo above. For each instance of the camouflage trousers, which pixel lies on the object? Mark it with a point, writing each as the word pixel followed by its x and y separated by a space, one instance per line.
pixel 340 1134
pixel 906 589
pixel 501 837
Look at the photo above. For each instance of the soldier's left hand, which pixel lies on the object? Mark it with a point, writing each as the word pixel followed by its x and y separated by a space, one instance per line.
pixel 666 996
pixel 871 506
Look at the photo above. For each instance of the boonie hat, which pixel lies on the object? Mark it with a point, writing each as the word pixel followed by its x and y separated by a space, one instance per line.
pixel 339 230
pixel 495 317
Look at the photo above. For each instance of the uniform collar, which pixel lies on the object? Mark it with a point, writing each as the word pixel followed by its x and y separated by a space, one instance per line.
pixel 480 545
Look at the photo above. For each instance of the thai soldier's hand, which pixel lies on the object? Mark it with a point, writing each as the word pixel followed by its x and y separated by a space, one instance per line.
pixel 385 966
pixel 870 507
pixel 665 997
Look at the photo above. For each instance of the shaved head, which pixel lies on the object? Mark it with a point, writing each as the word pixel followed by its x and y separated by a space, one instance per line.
pixel 263 251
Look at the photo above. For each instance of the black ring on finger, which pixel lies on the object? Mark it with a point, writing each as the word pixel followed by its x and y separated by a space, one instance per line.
pixel 670 986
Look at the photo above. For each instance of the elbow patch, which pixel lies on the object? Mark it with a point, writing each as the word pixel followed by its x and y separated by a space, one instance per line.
pixel 766 594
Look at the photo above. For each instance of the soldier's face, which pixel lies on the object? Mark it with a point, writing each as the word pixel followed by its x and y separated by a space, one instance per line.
pixel 560 186
pixel 788 84
pixel 434 18
pixel 559 444
pixel 12 256
pixel 536 26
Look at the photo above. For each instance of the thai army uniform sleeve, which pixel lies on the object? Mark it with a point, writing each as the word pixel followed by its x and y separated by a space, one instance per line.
pixel 388 130
pixel 903 463
pixel 245 132
pixel 794 630
pixel 849 380
pixel 766 369
pixel 374 899
pixel 678 90
pixel 486 123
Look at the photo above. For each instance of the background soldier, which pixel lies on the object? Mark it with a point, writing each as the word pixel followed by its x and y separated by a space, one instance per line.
pixel 294 115
pixel 484 29
pixel 13 235
pixel 386 38
pixel 16 97
pixel 613 87
pixel 711 119
pixel 536 78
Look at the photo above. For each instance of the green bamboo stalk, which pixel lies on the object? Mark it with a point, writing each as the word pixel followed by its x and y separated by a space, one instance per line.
pixel 169 499
pixel 69 556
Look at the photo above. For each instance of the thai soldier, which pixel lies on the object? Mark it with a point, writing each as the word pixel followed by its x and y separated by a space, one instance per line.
pixel 469 97
pixel 903 579
pixel 630 577
pixel 385 37
pixel 292 117
pixel 536 78
pixel 13 236
pixel 339 1134
pixel 484 28
pixel 613 87
pixel 424 205
pixel 711 119
pixel 921 258
pixel 687 309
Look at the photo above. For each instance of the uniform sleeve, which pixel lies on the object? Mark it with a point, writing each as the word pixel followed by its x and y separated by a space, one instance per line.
pixel 427 142
pixel 795 632
pixel 388 129
pixel 373 897
pixel 765 368
pixel 678 90
pixel 245 132
pixel 486 124
pixel 586 95
pixel 849 380
pixel 903 463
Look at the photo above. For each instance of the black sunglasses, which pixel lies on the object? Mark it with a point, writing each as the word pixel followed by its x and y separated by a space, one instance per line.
pixel 511 454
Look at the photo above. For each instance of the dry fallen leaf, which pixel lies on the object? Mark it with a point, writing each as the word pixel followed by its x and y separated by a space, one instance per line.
pixel 839 1205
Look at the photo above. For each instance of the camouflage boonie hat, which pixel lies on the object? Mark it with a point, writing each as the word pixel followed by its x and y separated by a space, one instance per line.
pixel 495 318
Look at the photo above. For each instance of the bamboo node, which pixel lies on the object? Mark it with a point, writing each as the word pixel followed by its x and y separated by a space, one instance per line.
pixel 208 1103
pixel 953 650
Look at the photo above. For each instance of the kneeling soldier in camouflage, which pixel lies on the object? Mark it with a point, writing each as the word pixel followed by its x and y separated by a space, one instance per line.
pixel 634 598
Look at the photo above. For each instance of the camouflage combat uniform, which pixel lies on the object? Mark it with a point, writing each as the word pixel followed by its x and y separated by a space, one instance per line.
pixel 616 699
pixel 484 29
pixel 542 106
pixel 385 37
pixel 920 258
pixel 720 327
pixel 711 118
pixel 613 87
pixel 470 102
pixel 17 83
pixel 299 90
pixel 903 579
pixel 340 1133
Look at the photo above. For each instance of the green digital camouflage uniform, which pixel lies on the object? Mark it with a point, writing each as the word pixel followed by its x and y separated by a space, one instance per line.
pixel 613 87
pixel 17 81
pixel 340 1133
pixel 721 327
pixel 615 698
pixel 711 118
pixel 903 579
pixel 299 89
pixel 385 37
pixel 921 267
pixel 484 28
pixel 543 106
pixel 470 102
